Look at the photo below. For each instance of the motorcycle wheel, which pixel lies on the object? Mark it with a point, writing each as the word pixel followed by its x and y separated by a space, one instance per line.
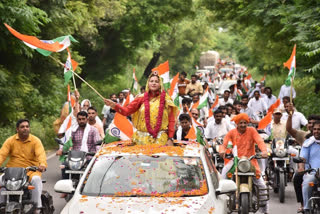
pixel 244 203
pixel 282 186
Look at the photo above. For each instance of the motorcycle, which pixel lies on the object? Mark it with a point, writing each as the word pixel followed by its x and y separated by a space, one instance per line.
pixel 218 161
pixel 278 167
pixel 17 192
pixel 75 165
pixel 248 197
pixel 315 195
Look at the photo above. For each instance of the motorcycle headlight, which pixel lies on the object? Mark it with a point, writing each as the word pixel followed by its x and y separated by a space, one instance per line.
pixel 75 165
pixel 13 185
pixel 217 147
pixel 244 165
pixel 280 150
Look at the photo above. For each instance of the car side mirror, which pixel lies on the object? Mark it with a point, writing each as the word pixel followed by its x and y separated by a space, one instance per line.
pixel 226 186
pixel 64 186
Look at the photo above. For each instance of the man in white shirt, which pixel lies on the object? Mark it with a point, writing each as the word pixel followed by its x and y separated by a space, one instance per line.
pixel 285 92
pixel 217 127
pixel 298 119
pixel 269 99
pixel 257 104
pixel 226 98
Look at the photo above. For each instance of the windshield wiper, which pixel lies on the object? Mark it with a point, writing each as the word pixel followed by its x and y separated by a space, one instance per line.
pixel 117 158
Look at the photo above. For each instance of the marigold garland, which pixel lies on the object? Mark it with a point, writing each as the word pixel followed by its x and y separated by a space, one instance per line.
pixel 154 132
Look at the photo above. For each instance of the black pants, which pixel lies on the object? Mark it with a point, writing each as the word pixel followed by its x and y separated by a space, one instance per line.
pixel 297 183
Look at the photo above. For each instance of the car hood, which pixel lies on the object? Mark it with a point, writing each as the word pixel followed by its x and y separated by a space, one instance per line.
pixel 132 205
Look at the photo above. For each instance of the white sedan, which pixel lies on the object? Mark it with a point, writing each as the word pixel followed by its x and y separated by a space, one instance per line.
pixel 149 179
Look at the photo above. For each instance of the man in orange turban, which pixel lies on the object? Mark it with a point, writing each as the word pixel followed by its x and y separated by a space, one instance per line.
pixel 245 138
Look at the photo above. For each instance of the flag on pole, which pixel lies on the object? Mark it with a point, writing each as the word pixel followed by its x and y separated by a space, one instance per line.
pixel 135 83
pixel 203 101
pixel 291 65
pixel 69 68
pixel 213 106
pixel 163 72
pixel 263 78
pixel 45 47
pixel 174 91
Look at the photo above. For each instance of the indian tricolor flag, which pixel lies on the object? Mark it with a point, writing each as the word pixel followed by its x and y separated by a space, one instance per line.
pixel 238 92
pixel 213 106
pixel 69 68
pixel 120 129
pixel 174 91
pixel 291 65
pixel 196 131
pixel 244 87
pixel 203 101
pixel 45 47
pixel 163 71
pixel 135 83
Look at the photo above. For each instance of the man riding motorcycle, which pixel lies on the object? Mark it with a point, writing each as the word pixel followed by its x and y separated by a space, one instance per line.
pixel 24 150
pixel 310 153
pixel 245 138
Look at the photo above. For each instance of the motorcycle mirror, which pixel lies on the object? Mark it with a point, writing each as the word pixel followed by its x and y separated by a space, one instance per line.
pixel 297 160
pixel 58 140
pixel 99 142
pixel 91 153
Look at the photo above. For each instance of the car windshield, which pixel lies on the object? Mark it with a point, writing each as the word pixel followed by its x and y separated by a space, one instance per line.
pixel 146 176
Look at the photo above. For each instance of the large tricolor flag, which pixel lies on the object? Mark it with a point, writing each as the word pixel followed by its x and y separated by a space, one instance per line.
pixel 45 47
pixel 69 68
pixel 264 122
pixel 174 91
pixel 120 129
pixel 163 72
pixel 291 65
pixel 274 106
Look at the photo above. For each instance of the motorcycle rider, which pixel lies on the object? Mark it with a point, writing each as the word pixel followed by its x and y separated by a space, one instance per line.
pixel 310 153
pixel 24 150
pixel 245 138
pixel 217 127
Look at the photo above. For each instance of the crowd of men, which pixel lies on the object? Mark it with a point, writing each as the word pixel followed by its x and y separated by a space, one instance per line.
pixel 255 100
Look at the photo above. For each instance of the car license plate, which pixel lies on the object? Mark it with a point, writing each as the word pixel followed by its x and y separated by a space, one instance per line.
pixel 74 172
pixel 12 193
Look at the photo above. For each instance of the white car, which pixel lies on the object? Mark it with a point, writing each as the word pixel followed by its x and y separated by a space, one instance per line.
pixel 149 179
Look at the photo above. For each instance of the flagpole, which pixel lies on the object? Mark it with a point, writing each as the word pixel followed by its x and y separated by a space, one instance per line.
pixel 78 77
pixel 291 88
pixel 74 82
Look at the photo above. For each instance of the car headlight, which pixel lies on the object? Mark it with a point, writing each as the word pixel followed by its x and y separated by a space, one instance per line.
pixel 13 185
pixel 280 150
pixel 75 165
pixel 244 165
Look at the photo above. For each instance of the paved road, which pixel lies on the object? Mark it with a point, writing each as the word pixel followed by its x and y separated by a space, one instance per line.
pixel 53 174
